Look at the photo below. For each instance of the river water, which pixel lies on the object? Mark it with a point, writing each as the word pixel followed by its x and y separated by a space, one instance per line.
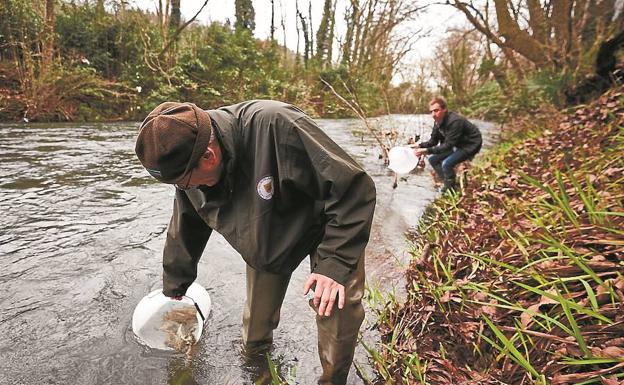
pixel 82 227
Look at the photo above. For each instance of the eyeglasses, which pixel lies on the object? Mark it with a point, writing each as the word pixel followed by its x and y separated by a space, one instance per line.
pixel 185 186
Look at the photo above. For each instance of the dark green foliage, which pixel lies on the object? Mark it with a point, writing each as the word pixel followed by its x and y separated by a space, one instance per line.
pixel 366 93
pixel 94 45
pixel 410 98
pixel 19 28
pixel 225 66
pixel 488 101
pixel 118 54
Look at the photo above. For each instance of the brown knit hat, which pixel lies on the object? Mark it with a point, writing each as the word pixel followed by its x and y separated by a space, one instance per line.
pixel 171 140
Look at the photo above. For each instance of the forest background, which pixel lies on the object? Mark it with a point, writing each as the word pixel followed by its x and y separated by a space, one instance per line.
pixel 111 60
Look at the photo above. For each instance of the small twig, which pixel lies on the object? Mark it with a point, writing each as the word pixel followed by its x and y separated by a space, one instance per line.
pixel 360 113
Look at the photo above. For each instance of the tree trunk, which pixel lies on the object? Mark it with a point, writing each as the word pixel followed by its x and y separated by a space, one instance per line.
pixel 330 39
pixel 561 19
pixel 272 20
pixel 311 32
pixel 99 8
pixel 517 39
pixel 163 18
pixel 323 43
pixel 537 21
pixel 245 15
pixel 170 41
pixel 283 23
pixel 306 38
pixel 176 17
pixel 365 30
pixel 298 32
pixel 351 18
pixel 48 38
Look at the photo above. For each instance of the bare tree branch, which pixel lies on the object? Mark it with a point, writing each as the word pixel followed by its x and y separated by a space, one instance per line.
pixel 175 35
pixel 360 114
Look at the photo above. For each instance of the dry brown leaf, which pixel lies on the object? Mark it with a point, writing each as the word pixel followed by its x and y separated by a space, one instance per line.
pixel 561 351
pixel 468 328
pixel 480 296
pixel 613 352
pixel 574 351
pixel 561 379
pixel 613 171
pixel 527 316
pixel 603 288
pixel 489 310
pixel 546 300
pixel 609 381
pixel 615 342
pixel 619 282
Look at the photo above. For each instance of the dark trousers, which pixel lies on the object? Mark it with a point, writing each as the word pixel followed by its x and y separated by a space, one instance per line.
pixel 337 334
pixel 444 165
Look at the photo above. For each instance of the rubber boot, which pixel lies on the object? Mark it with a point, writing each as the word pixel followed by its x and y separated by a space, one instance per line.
pixel 449 185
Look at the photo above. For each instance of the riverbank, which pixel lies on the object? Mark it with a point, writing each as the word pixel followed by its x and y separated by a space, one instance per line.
pixel 521 279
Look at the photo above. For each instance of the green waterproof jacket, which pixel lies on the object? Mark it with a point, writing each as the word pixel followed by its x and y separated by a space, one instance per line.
pixel 287 190
pixel 454 131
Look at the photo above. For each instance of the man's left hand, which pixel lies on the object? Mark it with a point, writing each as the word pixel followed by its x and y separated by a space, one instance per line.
pixel 325 293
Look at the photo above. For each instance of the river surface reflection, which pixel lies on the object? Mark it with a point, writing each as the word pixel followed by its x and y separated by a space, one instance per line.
pixel 82 232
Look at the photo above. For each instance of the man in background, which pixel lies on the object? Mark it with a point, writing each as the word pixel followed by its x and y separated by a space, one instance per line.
pixel 453 140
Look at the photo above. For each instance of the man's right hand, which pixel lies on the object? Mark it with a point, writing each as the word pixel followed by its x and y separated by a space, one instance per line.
pixel 325 292
pixel 420 151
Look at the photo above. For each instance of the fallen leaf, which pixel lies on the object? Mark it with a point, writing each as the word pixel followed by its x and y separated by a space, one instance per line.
pixel 613 352
pixel 527 316
pixel 609 381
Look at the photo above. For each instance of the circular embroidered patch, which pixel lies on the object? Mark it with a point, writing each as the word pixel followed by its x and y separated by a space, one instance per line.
pixel 265 187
